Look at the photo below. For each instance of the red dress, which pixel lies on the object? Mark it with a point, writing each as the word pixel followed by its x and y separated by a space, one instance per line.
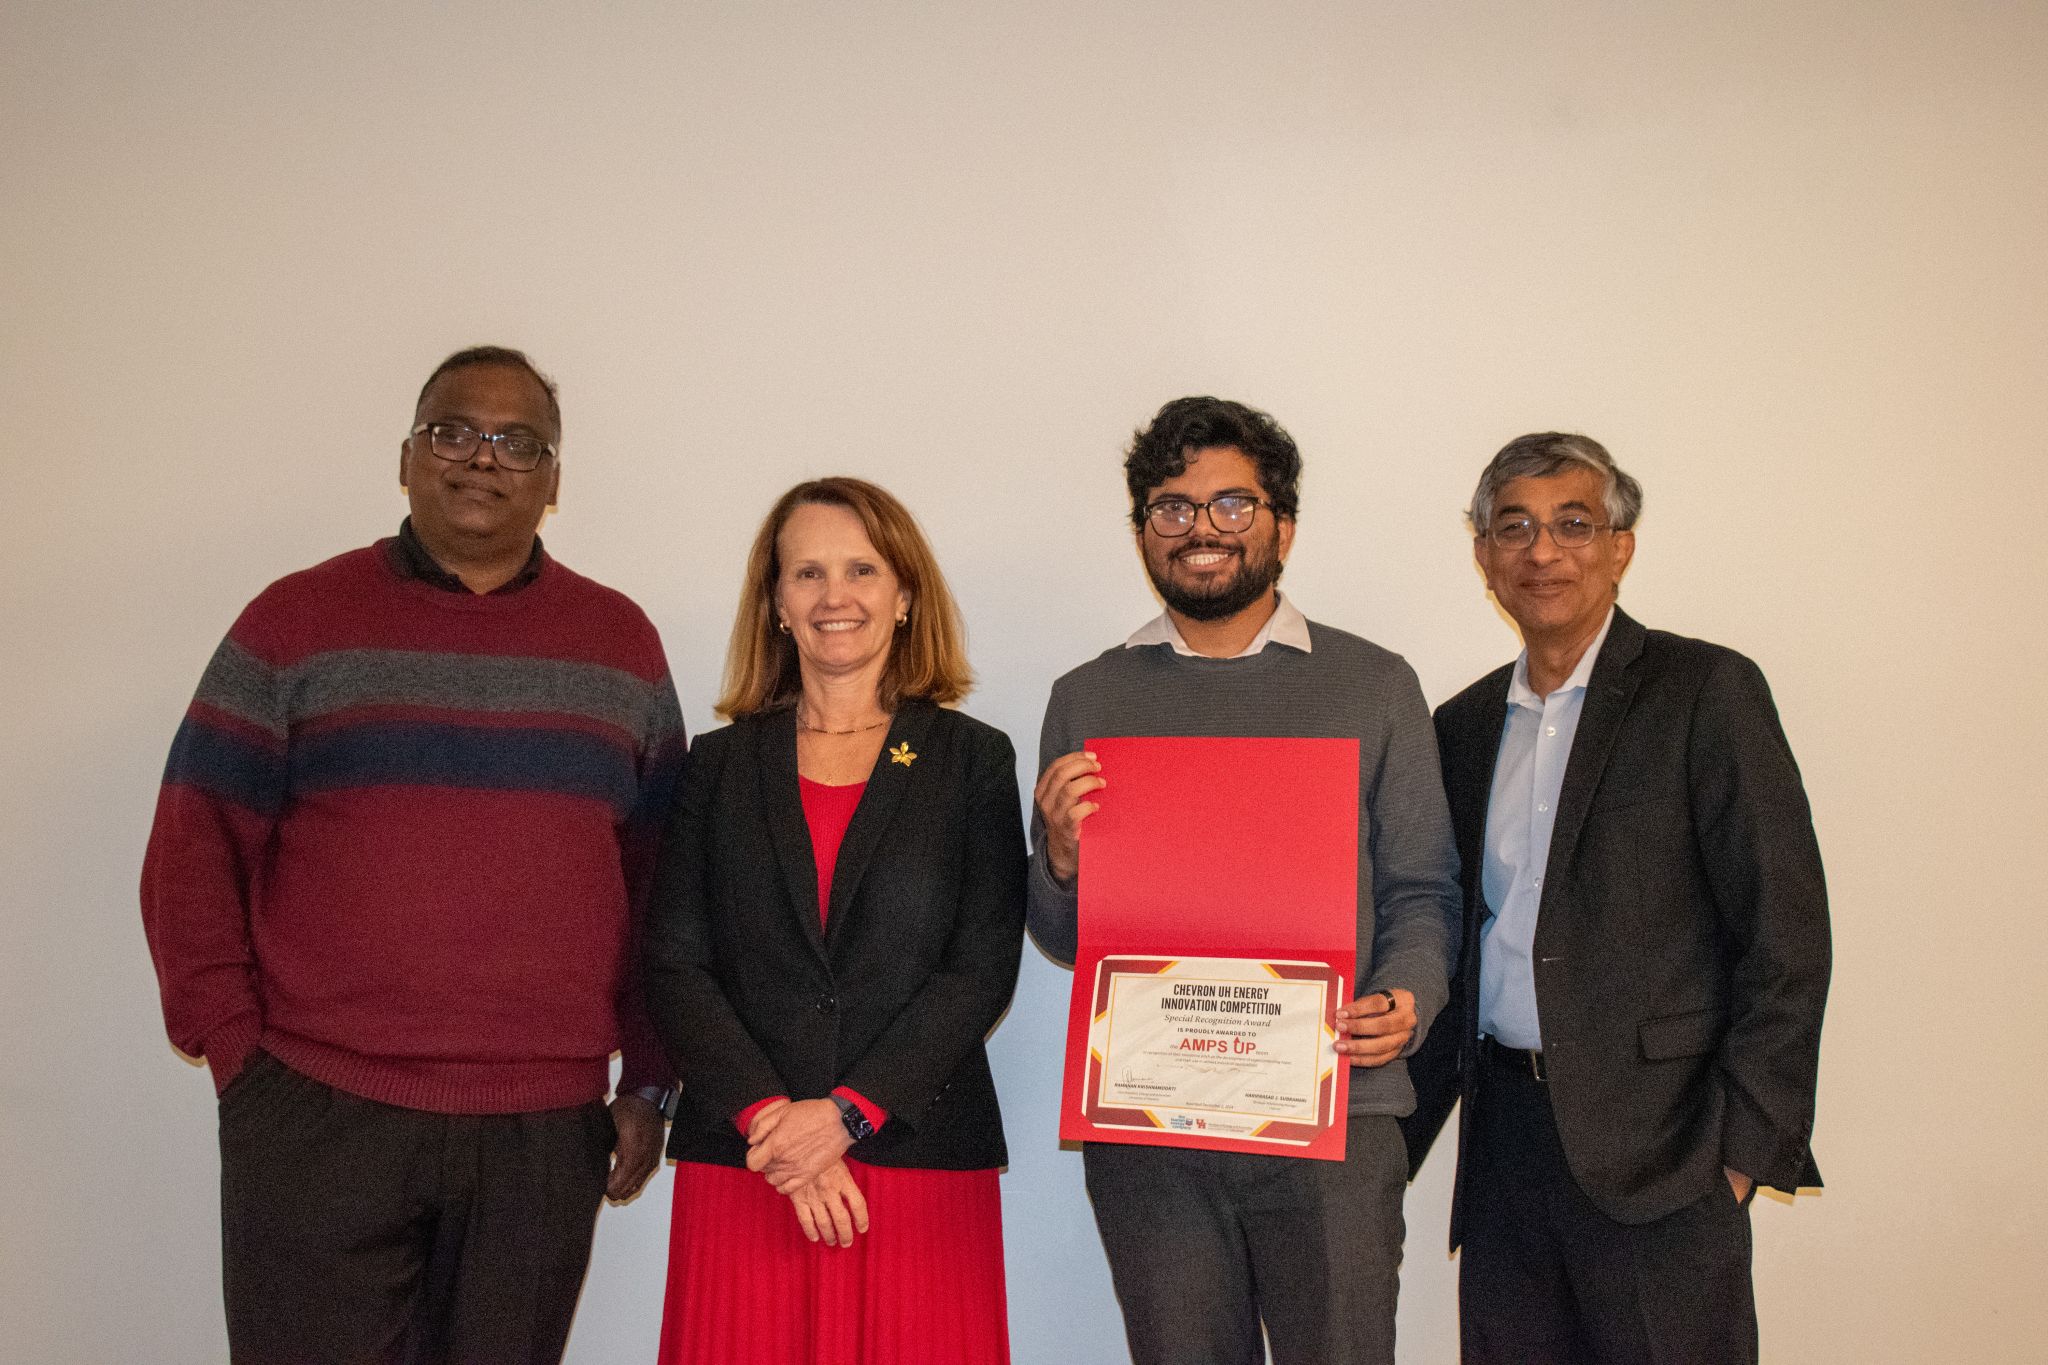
pixel 922 1286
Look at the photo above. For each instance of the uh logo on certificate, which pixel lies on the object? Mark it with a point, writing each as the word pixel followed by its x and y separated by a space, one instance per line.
pixel 1217 939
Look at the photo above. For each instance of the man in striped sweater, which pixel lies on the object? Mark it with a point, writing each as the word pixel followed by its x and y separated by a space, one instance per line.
pixel 392 894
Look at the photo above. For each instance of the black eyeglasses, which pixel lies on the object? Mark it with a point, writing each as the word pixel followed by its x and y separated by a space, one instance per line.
pixel 1231 514
pixel 512 449
pixel 1567 533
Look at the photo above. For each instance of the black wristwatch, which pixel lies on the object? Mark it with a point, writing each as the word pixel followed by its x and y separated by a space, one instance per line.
pixel 857 1125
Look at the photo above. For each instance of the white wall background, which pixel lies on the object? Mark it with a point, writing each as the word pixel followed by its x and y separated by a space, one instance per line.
pixel 1784 258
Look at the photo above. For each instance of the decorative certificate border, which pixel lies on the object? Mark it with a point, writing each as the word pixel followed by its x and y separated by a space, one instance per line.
pixel 1211 1126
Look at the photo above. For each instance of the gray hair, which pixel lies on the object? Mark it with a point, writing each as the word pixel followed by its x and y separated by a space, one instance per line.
pixel 1544 453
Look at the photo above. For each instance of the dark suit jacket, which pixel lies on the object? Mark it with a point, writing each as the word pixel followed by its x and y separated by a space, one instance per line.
pixel 894 997
pixel 1682 937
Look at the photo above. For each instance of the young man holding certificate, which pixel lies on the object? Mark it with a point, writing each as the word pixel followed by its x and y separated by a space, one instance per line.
pixel 1210 1241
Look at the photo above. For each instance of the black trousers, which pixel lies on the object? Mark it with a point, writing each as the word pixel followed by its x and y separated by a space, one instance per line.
pixel 1546 1278
pixel 1203 1246
pixel 356 1233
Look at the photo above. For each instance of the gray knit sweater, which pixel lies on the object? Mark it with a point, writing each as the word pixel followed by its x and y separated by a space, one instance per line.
pixel 1345 688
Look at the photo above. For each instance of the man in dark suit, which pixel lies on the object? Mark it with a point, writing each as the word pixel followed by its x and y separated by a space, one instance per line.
pixel 1635 1025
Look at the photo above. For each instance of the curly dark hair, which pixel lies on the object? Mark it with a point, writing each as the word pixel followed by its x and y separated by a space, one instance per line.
pixel 497 355
pixel 1187 426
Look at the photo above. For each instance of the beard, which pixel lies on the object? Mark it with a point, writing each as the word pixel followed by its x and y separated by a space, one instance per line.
pixel 1258 569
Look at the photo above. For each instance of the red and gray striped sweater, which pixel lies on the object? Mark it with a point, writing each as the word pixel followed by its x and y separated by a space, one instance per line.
pixel 405 834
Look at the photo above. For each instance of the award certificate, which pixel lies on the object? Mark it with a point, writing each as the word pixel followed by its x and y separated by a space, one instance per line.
pixel 1216 940
pixel 1236 1048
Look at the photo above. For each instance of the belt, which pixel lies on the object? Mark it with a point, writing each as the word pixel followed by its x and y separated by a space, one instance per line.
pixel 1522 1061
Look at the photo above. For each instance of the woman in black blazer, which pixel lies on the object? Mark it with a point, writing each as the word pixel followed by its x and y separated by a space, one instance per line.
pixel 835 929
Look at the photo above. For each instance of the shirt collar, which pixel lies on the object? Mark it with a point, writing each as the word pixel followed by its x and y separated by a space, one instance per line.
pixel 411 559
pixel 1286 626
pixel 1521 694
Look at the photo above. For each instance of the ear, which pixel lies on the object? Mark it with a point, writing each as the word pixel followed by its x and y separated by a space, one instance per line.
pixel 1479 558
pixel 1284 530
pixel 404 458
pixel 555 486
pixel 903 602
pixel 1624 553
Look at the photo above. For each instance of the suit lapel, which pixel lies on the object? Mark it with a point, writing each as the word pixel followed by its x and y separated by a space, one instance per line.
pixel 1468 779
pixel 782 805
pixel 1608 693
pixel 895 769
pixel 1471 786
pixel 1471 779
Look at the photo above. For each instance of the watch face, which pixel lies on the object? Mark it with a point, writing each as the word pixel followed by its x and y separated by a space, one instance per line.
pixel 857 1125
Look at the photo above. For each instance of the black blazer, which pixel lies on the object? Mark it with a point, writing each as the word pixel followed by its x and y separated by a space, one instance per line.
pixel 1681 948
pixel 894 997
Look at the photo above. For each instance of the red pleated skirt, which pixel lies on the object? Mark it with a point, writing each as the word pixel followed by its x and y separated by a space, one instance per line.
pixel 922 1286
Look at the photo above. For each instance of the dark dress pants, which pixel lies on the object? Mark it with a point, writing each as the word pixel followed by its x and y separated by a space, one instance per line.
pixel 1546 1278
pixel 356 1233
pixel 1204 1246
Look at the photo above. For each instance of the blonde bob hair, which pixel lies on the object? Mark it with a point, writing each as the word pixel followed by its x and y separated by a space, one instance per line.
pixel 927 659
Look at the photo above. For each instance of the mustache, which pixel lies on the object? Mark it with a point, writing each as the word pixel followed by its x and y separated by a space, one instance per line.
pixel 1192 546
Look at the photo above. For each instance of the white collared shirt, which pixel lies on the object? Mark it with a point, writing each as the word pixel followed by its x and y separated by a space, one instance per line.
pixel 1528 773
pixel 1286 626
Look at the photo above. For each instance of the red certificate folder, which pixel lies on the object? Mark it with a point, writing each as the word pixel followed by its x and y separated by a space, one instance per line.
pixel 1205 852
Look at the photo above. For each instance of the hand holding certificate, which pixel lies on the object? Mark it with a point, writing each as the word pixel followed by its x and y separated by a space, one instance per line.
pixel 1206 1000
pixel 1377 1026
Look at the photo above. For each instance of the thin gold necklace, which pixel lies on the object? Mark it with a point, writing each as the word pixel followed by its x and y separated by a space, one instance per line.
pixel 803 724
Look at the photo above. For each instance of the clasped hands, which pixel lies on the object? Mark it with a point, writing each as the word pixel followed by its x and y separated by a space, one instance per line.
pixel 799 1148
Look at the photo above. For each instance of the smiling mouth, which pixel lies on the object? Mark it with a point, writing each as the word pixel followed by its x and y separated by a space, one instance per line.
pixel 836 627
pixel 1205 557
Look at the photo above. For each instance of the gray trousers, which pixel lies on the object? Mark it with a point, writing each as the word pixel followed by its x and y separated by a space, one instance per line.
pixel 1204 1247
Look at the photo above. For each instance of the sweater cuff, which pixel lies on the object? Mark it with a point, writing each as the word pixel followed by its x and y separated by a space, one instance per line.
pixel 641 1060
pixel 1061 893
pixel 228 1048
pixel 874 1113
pixel 642 1072
pixel 1052 911
pixel 744 1120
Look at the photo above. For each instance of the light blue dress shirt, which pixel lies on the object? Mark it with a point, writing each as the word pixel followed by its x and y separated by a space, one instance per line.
pixel 1535 745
